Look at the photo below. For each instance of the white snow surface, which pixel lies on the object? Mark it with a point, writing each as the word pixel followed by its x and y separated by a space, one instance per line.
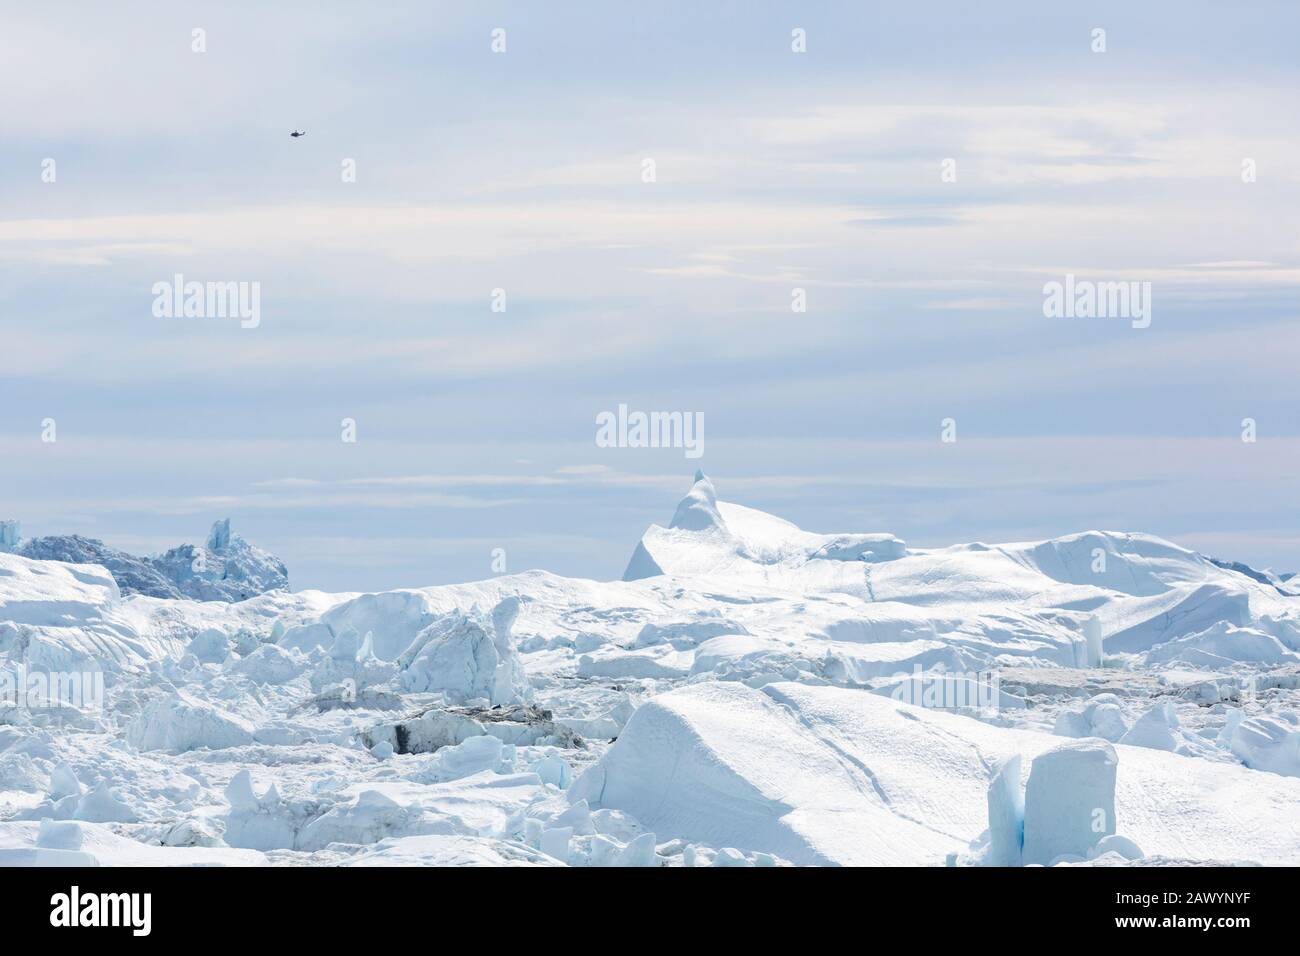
pixel 750 694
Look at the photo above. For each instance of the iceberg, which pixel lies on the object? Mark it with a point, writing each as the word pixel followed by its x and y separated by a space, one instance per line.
pixel 227 568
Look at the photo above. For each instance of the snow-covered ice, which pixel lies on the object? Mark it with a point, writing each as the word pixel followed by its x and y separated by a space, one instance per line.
pixel 749 694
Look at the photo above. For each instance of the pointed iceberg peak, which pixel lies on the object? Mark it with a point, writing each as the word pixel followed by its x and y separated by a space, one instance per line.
pixel 219 536
pixel 698 511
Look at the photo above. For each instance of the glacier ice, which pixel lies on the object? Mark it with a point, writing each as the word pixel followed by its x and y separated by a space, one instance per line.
pixel 1270 743
pixel 751 694
pixel 182 721
pixel 1069 800
pixel 228 568
pixel 1101 717
pixel 1006 815
pixel 1157 729
pixel 468 657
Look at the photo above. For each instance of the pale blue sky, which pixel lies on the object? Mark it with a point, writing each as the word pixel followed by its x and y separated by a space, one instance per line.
pixel 775 170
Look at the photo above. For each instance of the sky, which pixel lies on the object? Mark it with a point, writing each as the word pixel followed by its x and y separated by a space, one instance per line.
pixel 524 170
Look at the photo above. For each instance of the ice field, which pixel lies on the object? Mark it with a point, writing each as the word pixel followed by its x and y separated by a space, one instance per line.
pixel 750 694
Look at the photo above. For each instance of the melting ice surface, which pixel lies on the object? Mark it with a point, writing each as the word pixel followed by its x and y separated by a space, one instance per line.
pixel 750 694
